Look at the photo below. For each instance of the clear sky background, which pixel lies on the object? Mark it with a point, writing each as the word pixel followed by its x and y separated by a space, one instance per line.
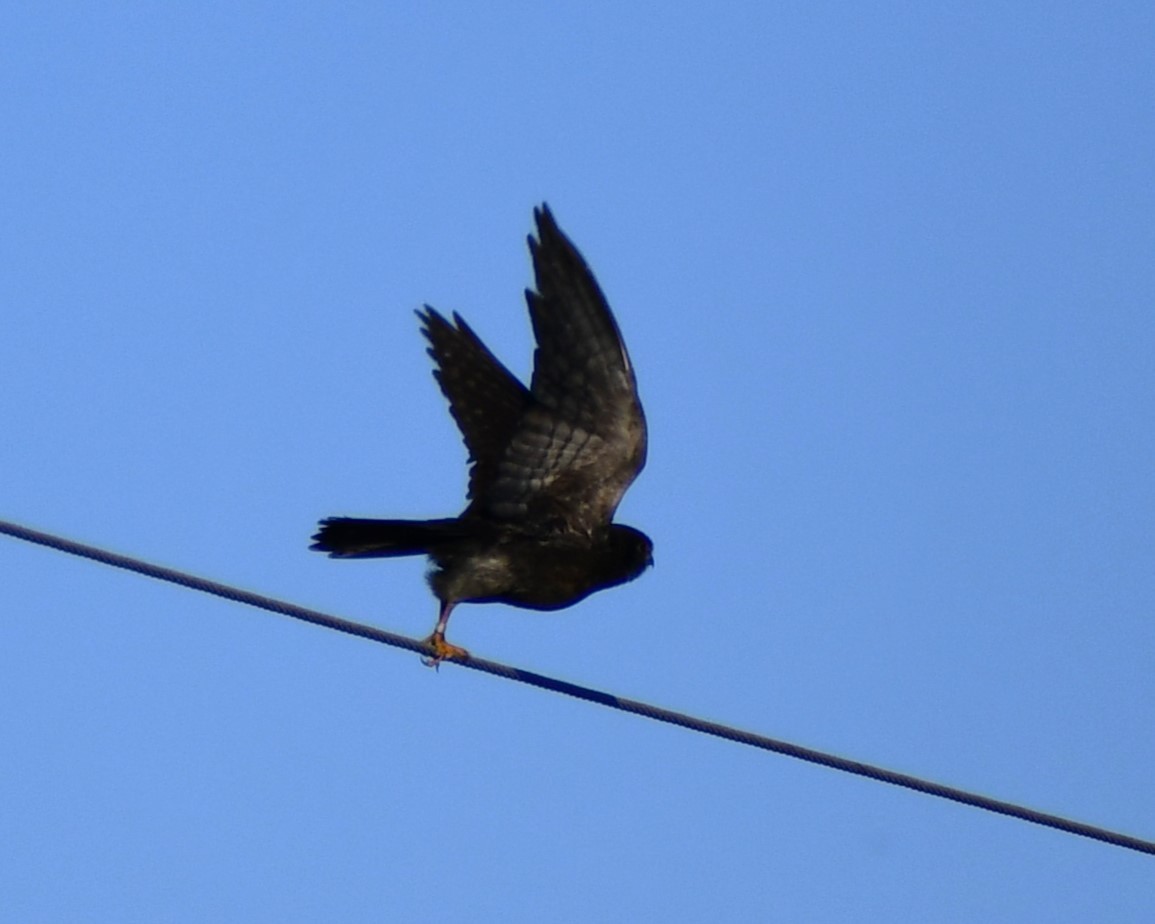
pixel 887 274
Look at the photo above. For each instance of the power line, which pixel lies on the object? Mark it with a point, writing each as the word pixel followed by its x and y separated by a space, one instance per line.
pixel 572 689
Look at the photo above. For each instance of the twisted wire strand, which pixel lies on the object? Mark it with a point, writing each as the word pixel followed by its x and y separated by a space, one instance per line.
pixel 586 693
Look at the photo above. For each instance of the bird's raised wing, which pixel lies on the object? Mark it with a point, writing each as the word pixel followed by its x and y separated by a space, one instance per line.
pixel 485 398
pixel 581 441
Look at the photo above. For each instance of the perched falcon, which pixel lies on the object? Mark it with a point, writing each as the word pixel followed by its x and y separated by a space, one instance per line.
pixel 549 464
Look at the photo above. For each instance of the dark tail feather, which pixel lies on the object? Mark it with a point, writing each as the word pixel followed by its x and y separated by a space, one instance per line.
pixel 345 537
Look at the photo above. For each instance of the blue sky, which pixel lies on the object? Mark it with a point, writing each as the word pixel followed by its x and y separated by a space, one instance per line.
pixel 886 276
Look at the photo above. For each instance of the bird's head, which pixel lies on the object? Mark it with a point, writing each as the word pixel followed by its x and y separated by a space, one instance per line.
pixel 632 551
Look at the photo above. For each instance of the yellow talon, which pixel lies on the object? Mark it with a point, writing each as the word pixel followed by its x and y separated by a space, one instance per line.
pixel 443 651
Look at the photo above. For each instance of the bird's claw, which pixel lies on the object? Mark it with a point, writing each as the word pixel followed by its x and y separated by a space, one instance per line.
pixel 443 651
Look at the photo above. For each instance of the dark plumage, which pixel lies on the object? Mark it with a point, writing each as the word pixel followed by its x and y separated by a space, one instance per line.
pixel 549 464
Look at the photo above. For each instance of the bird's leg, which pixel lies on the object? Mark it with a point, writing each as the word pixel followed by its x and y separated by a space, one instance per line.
pixel 441 648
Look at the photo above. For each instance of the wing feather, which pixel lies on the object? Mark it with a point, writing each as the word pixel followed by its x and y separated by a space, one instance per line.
pixel 485 398
pixel 581 441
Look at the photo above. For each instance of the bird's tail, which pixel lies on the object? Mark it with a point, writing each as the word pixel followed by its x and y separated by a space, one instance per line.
pixel 346 537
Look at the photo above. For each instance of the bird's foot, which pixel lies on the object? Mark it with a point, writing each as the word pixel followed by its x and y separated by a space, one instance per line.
pixel 443 651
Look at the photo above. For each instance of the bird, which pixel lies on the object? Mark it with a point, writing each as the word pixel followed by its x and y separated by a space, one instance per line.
pixel 548 464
